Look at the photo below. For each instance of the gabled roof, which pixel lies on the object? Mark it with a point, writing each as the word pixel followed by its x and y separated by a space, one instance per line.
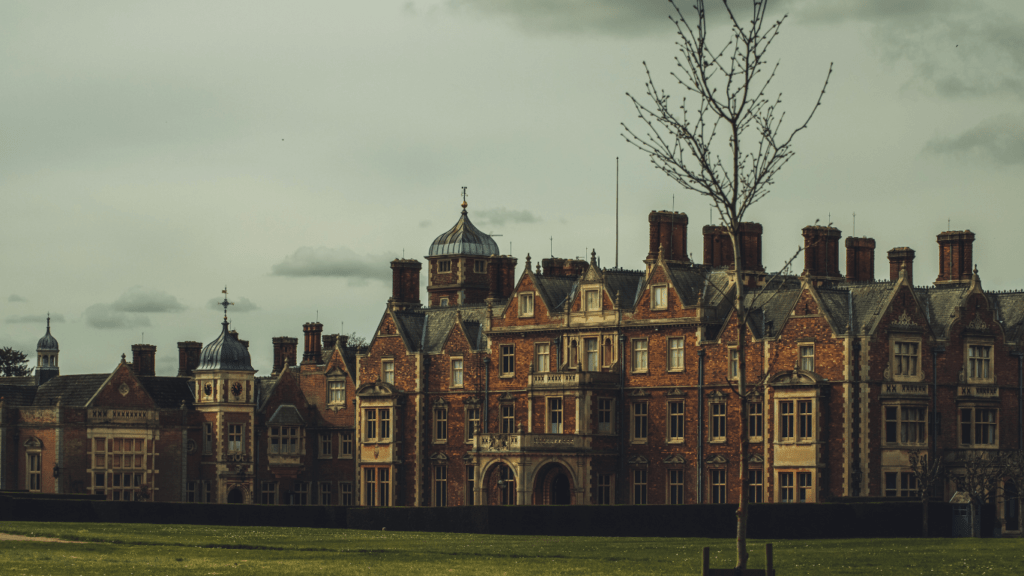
pixel 73 390
pixel 941 305
pixel 625 284
pixel 1010 310
pixel 555 291
pixel 427 329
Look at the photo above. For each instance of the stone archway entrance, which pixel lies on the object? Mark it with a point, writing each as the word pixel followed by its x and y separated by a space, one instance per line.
pixel 500 484
pixel 553 486
pixel 235 496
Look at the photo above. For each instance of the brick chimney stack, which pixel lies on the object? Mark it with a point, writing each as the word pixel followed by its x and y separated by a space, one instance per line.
pixel 188 358
pixel 860 259
pixel 668 234
pixel 144 359
pixel 718 246
pixel 956 255
pixel 311 354
pixel 329 341
pixel 284 353
pixel 901 257
pixel 821 252
pixel 405 282
pixel 563 267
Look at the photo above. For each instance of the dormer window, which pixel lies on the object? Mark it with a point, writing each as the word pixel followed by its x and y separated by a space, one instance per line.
pixel 979 363
pixel 336 390
pixel 659 297
pixel 592 300
pixel 444 266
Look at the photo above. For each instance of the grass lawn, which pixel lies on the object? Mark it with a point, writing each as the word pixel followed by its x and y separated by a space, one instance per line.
pixel 116 549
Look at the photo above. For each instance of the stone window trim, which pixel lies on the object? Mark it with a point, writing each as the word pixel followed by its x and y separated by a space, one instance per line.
pixel 377 425
pixel 900 352
pixel 717 418
pixel 336 391
pixel 893 429
pixel 606 416
pixel 980 430
pixel 755 416
pixel 444 302
pixel 733 361
pixel 591 300
pixel 755 484
pixel 236 438
pixel 508 416
pixel 979 360
pixel 639 425
pixel 34 468
pixel 676 346
pixel 802 426
pixel 675 480
pixel 325 445
pixel 507 361
pixel 444 266
pixel 479 266
pixel 387 369
pixel 526 301
pixel 346 445
pixel 285 440
pixel 471 418
pixel 805 356
pixel 795 485
pixel 675 421
pixel 542 357
pixel 640 486
pixel 554 415
pixel 456 372
pixel 440 423
pixel 659 297
pixel 718 485
pixel 640 355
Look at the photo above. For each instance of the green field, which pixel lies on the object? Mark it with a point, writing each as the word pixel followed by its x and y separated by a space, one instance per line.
pixel 136 549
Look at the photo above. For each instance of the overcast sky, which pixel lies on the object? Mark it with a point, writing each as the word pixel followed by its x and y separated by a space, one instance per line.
pixel 152 153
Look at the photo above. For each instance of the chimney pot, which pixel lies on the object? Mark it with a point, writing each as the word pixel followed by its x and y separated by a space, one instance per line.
pixel 902 257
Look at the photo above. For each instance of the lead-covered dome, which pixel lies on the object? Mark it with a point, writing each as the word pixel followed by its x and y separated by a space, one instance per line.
pixel 225 353
pixel 464 239
pixel 48 342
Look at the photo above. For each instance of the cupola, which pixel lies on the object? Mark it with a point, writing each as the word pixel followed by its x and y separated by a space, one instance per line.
pixel 47 352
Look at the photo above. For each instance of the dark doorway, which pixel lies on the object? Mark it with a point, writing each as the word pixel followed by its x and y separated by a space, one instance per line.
pixel 235 496
pixel 560 490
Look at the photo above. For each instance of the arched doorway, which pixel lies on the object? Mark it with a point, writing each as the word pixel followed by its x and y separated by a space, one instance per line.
pixel 500 485
pixel 553 486
pixel 235 496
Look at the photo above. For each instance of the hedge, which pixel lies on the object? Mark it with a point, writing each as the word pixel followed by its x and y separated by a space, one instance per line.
pixel 767 521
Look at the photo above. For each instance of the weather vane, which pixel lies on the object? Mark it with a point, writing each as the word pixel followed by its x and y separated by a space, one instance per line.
pixel 225 303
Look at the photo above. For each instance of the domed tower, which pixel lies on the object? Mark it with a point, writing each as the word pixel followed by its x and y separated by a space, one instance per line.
pixel 47 352
pixel 466 267
pixel 226 403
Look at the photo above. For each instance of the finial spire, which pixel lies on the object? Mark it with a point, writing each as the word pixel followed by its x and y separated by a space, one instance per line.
pixel 47 322
pixel 464 204
pixel 225 303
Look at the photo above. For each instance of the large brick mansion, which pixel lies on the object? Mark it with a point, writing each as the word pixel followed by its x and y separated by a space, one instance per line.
pixel 560 382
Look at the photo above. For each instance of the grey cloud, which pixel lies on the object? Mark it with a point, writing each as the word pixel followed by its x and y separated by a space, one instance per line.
pixel 869 10
pixel 142 300
pixel 1000 139
pixel 34 319
pixel 338 262
pixel 104 316
pixel 503 216
pixel 238 305
pixel 16 298
pixel 609 17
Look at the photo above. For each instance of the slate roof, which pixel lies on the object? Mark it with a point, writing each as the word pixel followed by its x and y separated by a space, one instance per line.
pixel 427 329
pixel 625 283
pixel 555 291
pixel 769 310
pixel 941 304
pixel 168 391
pixel 286 415
pixel 73 391
pixel 1010 309
pixel 18 390
pixel 464 238
pixel 225 353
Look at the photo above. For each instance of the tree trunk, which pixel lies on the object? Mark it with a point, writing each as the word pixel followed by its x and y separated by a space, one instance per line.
pixel 924 517
pixel 742 510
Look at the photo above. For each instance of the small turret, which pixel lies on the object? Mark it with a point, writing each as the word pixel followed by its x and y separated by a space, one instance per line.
pixel 47 352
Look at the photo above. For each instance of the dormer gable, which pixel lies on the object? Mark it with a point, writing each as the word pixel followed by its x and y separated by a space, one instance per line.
pixel 122 388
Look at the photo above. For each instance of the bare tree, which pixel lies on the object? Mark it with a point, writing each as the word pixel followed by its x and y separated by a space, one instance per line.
pixel 981 472
pixel 730 85
pixel 929 472
pixel 1013 469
